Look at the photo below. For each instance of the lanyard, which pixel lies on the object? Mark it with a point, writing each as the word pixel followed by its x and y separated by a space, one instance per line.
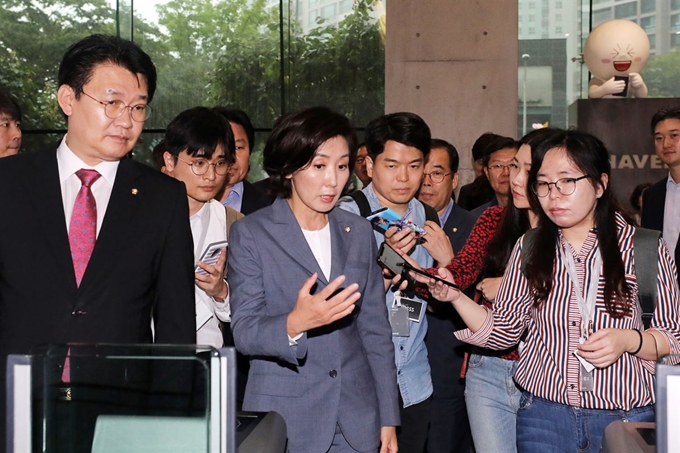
pixel 586 305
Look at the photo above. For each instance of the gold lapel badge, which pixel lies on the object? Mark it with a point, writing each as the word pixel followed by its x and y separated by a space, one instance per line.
pixel 348 229
pixel 455 230
pixel 134 191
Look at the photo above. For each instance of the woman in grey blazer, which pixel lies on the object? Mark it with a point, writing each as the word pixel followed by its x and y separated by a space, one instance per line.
pixel 308 297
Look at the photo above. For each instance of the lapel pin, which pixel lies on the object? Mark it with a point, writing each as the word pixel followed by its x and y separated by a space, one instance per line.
pixel 348 229
pixel 134 191
pixel 455 230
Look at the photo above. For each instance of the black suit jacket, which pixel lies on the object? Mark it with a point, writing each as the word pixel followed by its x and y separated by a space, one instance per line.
pixel 141 264
pixel 445 351
pixel 253 198
pixel 653 206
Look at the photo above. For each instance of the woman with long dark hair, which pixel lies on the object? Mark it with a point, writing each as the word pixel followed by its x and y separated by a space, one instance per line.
pixel 587 360
pixel 490 393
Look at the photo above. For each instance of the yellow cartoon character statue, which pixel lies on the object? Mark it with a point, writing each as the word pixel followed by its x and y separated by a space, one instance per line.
pixel 615 53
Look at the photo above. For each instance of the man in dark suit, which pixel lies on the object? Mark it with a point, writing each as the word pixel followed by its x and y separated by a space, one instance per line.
pixel 238 193
pixel 661 202
pixel 449 430
pixel 479 191
pixel 66 277
pixel 498 156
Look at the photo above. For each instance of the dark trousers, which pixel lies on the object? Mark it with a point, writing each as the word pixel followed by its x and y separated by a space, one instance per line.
pixel 449 427
pixel 415 419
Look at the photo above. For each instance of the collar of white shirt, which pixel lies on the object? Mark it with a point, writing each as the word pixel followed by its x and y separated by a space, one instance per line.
pixel 69 163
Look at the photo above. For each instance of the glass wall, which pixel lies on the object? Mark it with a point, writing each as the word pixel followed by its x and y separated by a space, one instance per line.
pixel 266 57
pixel 552 34
pixel 551 76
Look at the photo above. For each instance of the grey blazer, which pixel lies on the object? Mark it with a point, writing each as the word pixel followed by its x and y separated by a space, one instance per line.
pixel 343 373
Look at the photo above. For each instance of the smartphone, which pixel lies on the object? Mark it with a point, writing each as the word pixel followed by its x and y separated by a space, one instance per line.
pixel 409 268
pixel 390 259
pixel 210 255
pixel 623 93
pixel 385 218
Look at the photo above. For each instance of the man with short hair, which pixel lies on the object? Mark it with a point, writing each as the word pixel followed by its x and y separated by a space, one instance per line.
pixel 199 149
pixel 479 191
pixel 397 145
pixel 10 125
pixel 497 158
pixel 449 430
pixel 661 202
pixel 360 166
pixel 238 193
pixel 93 245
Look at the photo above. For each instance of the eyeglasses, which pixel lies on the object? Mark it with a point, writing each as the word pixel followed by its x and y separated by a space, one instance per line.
pixel 565 186
pixel 200 166
pixel 499 168
pixel 114 109
pixel 436 176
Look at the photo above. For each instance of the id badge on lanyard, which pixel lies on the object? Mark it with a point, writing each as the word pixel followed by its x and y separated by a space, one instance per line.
pixel 586 306
pixel 399 317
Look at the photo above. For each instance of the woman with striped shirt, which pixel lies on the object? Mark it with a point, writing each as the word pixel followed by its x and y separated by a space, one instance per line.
pixel 586 360
pixel 491 396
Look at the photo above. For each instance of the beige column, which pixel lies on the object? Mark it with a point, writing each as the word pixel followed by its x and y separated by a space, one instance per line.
pixel 454 62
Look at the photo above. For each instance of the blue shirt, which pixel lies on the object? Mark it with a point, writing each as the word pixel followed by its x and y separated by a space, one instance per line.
pixel 447 212
pixel 235 197
pixel 413 368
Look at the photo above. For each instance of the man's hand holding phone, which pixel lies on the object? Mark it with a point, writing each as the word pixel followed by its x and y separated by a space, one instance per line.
pixel 403 239
pixel 210 277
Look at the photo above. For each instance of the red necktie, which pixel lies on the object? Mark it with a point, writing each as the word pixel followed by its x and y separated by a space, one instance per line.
pixel 82 232
pixel 82 235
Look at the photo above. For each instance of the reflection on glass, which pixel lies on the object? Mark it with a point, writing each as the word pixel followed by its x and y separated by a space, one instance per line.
pixel 207 52
pixel 553 36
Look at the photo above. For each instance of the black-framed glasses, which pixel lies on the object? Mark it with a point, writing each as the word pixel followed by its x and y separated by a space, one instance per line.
pixel 436 176
pixel 200 166
pixel 114 109
pixel 565 186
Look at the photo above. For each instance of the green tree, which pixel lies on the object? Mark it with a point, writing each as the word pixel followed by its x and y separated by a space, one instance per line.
pixel 341 66
pixel 207 52
pixel 662 74
pixel 34 36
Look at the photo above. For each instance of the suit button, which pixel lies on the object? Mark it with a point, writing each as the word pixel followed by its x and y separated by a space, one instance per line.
pixel 333 373
pixel 77 313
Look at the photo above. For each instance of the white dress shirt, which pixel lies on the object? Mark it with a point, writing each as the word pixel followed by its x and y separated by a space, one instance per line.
pixel 209 225
pixel 68 164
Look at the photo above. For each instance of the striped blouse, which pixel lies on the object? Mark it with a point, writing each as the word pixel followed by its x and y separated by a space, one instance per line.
pixel 547 366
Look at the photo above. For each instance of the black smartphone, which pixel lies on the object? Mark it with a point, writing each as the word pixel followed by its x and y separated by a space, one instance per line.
pixel 390 259
pixel 409 268
pixel 623 93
